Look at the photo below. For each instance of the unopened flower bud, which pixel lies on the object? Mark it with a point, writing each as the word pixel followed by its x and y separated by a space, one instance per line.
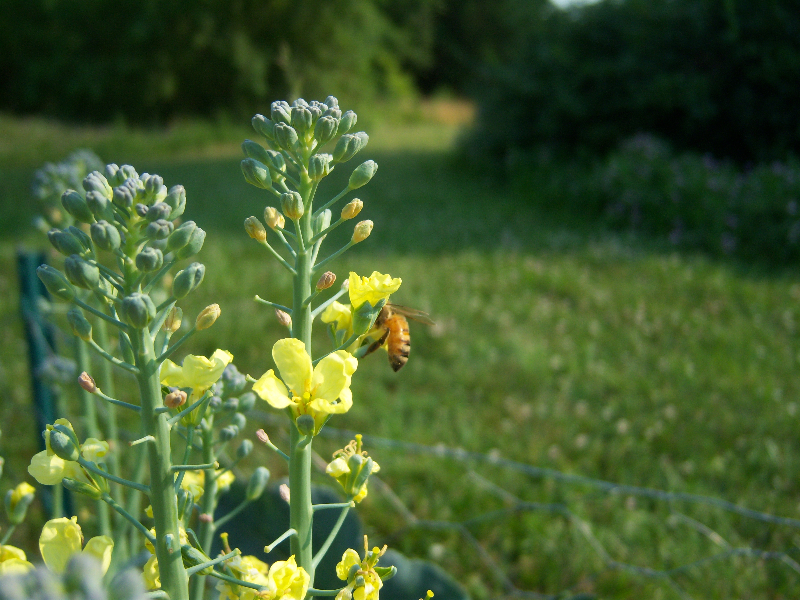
pixel 347 122
pixel 348 145
pixel 262 436
pixel 226 434
pixel 263 126
pixel 230 404
pixel 283 318
pixel 258 481
pixel 100 206
pixel 319 166
pixel 255 229
pixel 66 243
pixel 247 401
pixel 284 492
pixel 281 112
pixel 81 273
pixel 149 259
pixel 256 173
pixel 363 173
pixel 301 119
pixel 326 280
pixel 244 449
pixel 173 321
pixel 175 399
pixel 286 136
pixel 159 210
pixel 193 246
pixel 76 206
pixel 362 231
pixel 79 487
pixel 207 317
pixel 239 420
pixel 105 236
pixel 181 236
pixel 186 281
pixel 159 230
pixel 176 199
pixel 321 222
pixel 325 129
pixel 55 282
pixel 278 165
pixel 17 502
pixel 86 381
pixel 96 182
pixel 273 218
pixel 63 445
pixel 81 328
pixel 351 209
pixel 123 196
pixel 138 310
pixel 292 205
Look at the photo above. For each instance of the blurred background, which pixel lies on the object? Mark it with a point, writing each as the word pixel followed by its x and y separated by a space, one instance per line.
pixel 597 204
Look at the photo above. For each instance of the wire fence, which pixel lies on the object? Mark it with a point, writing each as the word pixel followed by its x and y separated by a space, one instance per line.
pixel 513 505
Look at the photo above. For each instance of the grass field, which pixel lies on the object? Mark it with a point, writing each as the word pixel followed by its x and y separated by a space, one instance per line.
pixel 570 348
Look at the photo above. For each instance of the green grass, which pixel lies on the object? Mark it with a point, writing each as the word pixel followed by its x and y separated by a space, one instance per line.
pixel 562 347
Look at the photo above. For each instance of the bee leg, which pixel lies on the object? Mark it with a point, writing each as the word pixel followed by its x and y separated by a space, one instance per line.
pixel 378 343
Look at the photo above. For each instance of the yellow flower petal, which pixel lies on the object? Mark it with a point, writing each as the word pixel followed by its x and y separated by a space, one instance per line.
pixel 172 375
pixel 47 470
pixel 8 552
pixel 60 539
pixel 349 558
pixel 331 382
pixel 15 566
pixel 339 314
pixel 93 449
pixel 372 289
pixel 197 372
pixel 22 490
pixel 290 580
pixel 294 364
pixel 152 576
pixel 224 480
pixel 270 388
pixel 194 481
pixel 101 548
pixel 337 467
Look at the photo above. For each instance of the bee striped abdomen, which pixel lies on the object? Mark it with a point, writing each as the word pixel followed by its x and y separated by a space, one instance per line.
pixel 398 342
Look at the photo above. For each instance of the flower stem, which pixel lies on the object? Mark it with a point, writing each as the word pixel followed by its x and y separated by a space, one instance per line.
pixel 209 502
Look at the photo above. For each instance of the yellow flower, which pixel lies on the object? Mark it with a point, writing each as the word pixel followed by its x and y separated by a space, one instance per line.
pixel 93 449
pixel 284 580
pixel 340 469
pixel 318 391
pixel 372 289
pixel 341 315
pixel 197 372
pixel 61 539
pixel 22 490
pixel 152 576
pixel 372 582
pixel 49 469
pixel 13 561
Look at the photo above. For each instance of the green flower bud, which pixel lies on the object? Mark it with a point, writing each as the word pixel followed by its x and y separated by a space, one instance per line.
pixel 264 126
pixel 181 236
pixel 186 281
pixel 123 196
pixel 193 246
pixel 347 122
pixel 286 136
pixel 176 199
pixel 331 102
pixel 81 273
pixel 325 129
pixel 321 221
pixel 256 173
pixel 159 210
pixel 333 112
pixel 319 166
pixel 141 209
pixel 64 445
pixel 244 449
pixel 254 150
pixel 66 243
pixel 127 172
pixel 84 489
pixel 113 174
pixel 226 434
pixel 292 205
pixel 362 174
pixel 247 401
pixel 301 120
pixel 257 483
pixel 159 230
pixel 281 112
pixel 80 235
pixel 152 184
pixel 385 572
pixel 239 420
pixel 348 145
pixel 149 259
pixel 96 182
pixel 81 328
pixel 278 165
pixel 105 236
pixel 76 205
pixel 100 206
pixel 55 282
pixel 138 310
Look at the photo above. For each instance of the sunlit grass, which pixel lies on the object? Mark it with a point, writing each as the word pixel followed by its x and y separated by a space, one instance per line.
pixel 566 348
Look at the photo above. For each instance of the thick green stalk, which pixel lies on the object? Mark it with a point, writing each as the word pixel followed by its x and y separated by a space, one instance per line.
pixel 206 531
pixel 300 510
pixel 174 580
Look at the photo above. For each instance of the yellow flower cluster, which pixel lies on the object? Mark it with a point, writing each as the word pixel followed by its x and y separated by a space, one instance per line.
pixel 49 469
pixel 284 580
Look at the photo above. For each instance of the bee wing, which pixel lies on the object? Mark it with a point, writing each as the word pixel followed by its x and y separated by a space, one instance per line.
pixel 412 313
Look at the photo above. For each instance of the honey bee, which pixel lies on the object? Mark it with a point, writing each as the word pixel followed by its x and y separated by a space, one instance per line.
pixel 392 327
